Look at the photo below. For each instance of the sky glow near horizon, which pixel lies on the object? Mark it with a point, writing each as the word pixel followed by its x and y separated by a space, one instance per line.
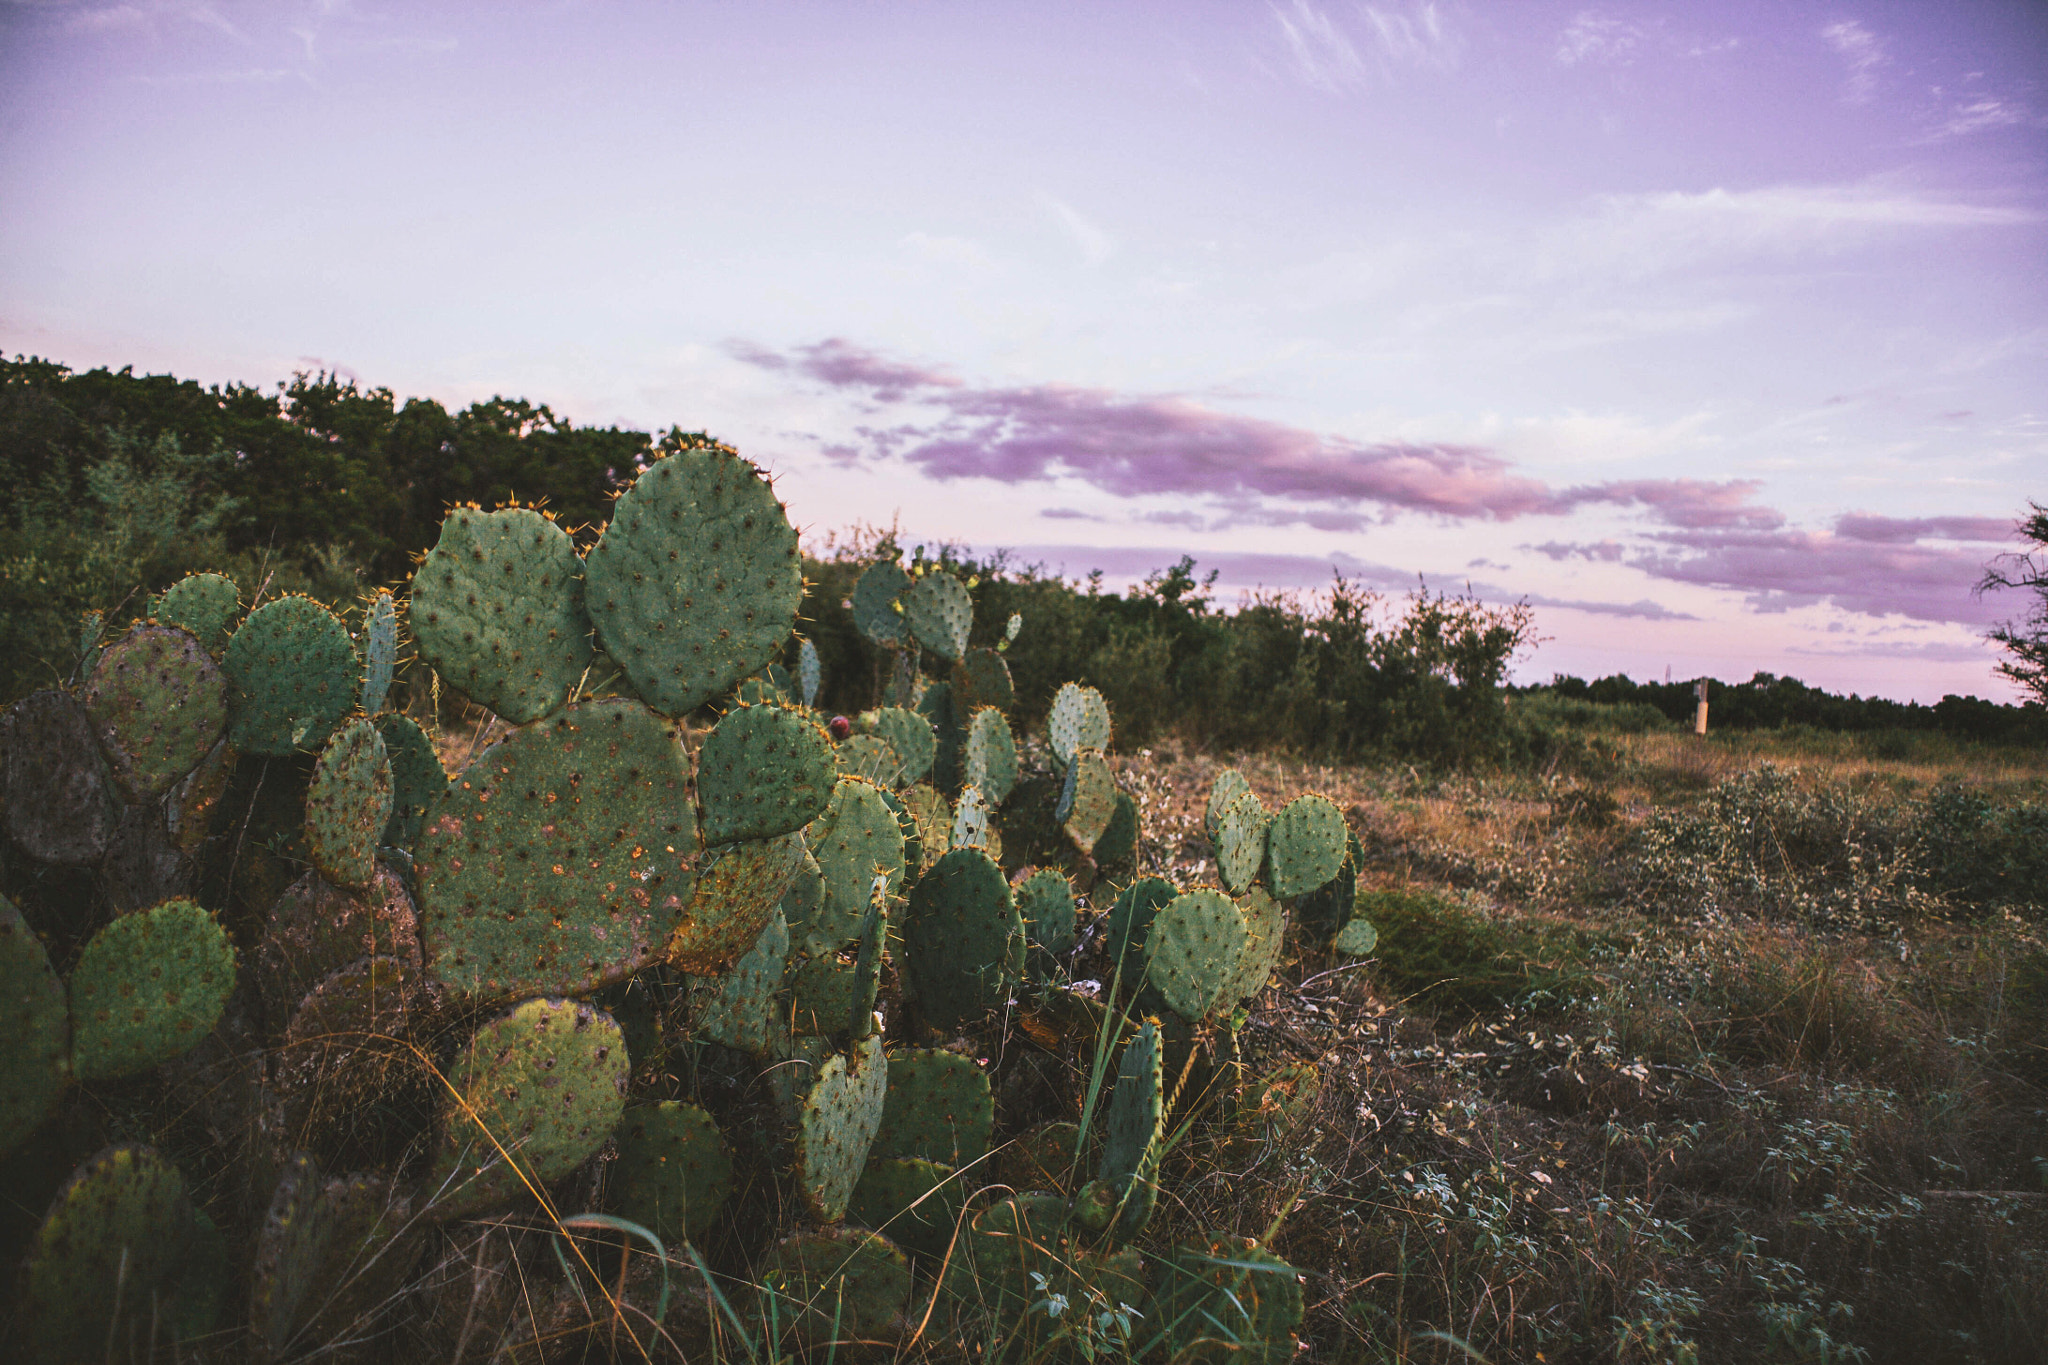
pixel 1717 332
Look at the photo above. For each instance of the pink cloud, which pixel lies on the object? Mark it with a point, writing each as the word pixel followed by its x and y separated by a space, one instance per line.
pixel 1896 530
pixel 1788 568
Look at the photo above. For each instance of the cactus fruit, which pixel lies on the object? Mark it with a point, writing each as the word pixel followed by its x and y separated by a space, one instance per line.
pixel 912 738
pixel 938 1108
pixel 855 837
pixel 348 803
pixel 322 1255
pixel 738 1008
pixel 734 894
pixel 534 1093
pixel 807 671
pixel 963 939
pixel 205 604
pixel 875 598
pixel 55 793
pixel 673 1171
pixel 1130 921
pixel 1229 785
pixel 1265 923
pixel 158 704
pixel 1118 842
pixel 316 929
pixel 1233 1295
pixel 1193 951
pixel 37 1060
pixel 1133 1131
pixel 1305 846
pixel 1092 802
pixel 940 614
pixel 1240 842
pixel 555 863
pixel 417 778
pixel 148 987
pixel 990 755
pixel 1045 899
pixel 106 1258
pixel 1079 720
pixel 497 609
pixel 380 651
pixel 1356 939
pixel 915 1203
pixel 695 583
pixel 835 1125
pixel 291 671
pixel 1327 909
pixel 828 1286
pixel 983 679
pixel 762 771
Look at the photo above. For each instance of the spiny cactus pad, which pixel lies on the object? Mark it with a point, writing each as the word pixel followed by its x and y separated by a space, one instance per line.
pixel 762 771
pixel 991 755
pixel 1265 925
pixel 1130 921
pixel 315 1256
pixel 695 583
pixel 348 804
pixel 57 797
pixel 832 1280
pixel 836 1124
pixel 983 679
pixel 938 1107
pixel 292 676
pixel 915 1203
pixel 1357 939
pixel 380 650
pixel 1230 784
pixel 807 673
pixel 806 890
pixel 963 939
pixel 1193 952
pixel 111 1245
pixel 1240 842
pixel 1093 802
pixel 189 807
pixel 940 614
pixel 555 863
pixel 36 1062
pixel 971 827
pixel 316 929
pixel 1039 1158
pixel 915 742
pixel 1133 1128
pixel 497 609
pixel 544 1082
pixel 855 838
pixel 1045 899
pixel 735 892
pixel 738 1008
pixel 1327 909
pixel 1079 720
pixel 875 599
pixel 206 604
pixel 158 703
pixel 942 708
pixel 344 1054
pixel 827 995
pixel 1304 845
pixel 147 988
pixel 1232 1292
pixel 868 756
pixel 417 778
pixel 934 819
pixel 673 1171
pixel 1119 841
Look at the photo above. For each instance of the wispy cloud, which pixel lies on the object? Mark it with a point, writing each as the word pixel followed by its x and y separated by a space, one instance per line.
pixel 1863 52
pixel 1095 244
pixel 1324 57
pixel 1419 36
pixel 1594 37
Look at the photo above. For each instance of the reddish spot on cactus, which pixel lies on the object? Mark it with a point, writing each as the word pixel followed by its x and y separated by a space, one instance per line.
pixel 841 727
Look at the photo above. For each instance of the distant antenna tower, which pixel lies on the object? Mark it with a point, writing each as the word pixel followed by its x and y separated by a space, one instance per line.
pixel 1667 673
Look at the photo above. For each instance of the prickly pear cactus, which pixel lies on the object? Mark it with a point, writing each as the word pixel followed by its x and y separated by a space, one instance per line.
pixel 535 1092
pixel 1231 1295
pixel 855 836
pixel 963 939
pixel 940 614
pixel 673 1171
pixel 1305 846
pixel 807 671
pixel 938 1107
pixel 868 756
pixel 206 604
pixel 1193 952
pixel 1229 785
pixel 158 703
pixel 291 668
pixel 934 820
pixel 876 596
pixel 417 778
pixel 1133 1131
pixel 189 806
pixel 348 803
pixel 36 1062
pixel 1265 925
pixel 762 771
pixel 316 928
pixel 1130 922
pixel 1357 939
pixel 147 988
pixel 971 825
pixel 827 1285
pixel 380 651
pixel 343 1062
pixel 915 1203
pixel 983 679
pixel 912 739
pixel 695 583
pixel 1091 801
pixel 1240 843
pixel 942 708
pixel 57 797
pixel 317 1254
pixel 738 1009
pixel 1079 720
pixel 1045 899
pixel 736 890
pixel 836 1124
pixel 1118 843
pixel 1327 909
pixel 557 862
pixel 497 609
pixel 102 1265
pixel 991 755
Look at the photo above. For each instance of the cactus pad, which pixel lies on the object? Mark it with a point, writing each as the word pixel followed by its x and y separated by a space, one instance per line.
pixel 1046 902
pixel 827 996
pixel 380 651
pixel 856 837
pixel 316 929
pixel 1119 840
pixel 37 1059
pixel 983 679
pixel 344 1066
pixel 348 804
pixel 915 742
pixel 206 604
pixel 942 708
pixel 322 1256
pixel 1093 801
pixel 1133 1129
pixel 1240 842
pixel 1130 921
pixel 938 1108
pixel 875 599
pixel 555 863
pixel 835 1125
pixel 188 809
pixel 1325 910
pixel 158 703
pixel 738 1008
pixel 1193 952
pixel 1265 924
pixel 934 820
pixel 417 778
pixel 806 891
pixel 827 1280
pixel 1233 1293
pixel 734 894
pixel 963 939
pixel 940 614
pixel 991 755
pixel 1305 846
pixel 1079 720
pixel 147 988
pixel 971 828
pixel 807 673
pixel 916 1203
pixel 868 756
pixel 1357 939
pixel 1039 1158
pixel 695 583
pixel 56 794
pixel 673 1171
pixel 497 609
pixel 292 676
pixel 762 771
pixel 1229 785
pixel 100 1266
pixel 545 1083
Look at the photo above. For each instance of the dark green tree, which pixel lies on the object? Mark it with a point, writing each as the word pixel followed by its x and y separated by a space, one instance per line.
pixel 2025 638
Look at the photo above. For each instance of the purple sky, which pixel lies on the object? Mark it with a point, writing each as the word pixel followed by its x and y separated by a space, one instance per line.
pixel 1717 331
